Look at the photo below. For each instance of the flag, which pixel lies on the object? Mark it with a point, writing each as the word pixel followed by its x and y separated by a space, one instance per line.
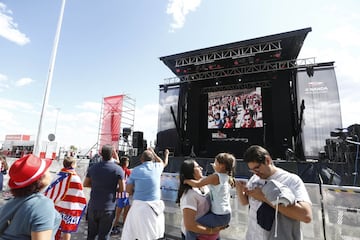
pixel 69 199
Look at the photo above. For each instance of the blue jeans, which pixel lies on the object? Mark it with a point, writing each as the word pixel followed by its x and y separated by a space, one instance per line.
pixel 100 223
pixel 210 220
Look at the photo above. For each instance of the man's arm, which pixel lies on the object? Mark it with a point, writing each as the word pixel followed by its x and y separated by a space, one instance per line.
pixel 158 159
pixel 87 182
pixel 115 156
pixel 300 211
pixel 241 192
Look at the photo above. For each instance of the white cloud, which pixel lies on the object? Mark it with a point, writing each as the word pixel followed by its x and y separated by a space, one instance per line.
pixel 23 82
pixel 18 105
pixel 3 82
pixel 341 46
pixel 93 106
pixel 146 118
pixel 345 36
pixel 79 129
pixel 179 9
pixel 16 117
pixel 8 29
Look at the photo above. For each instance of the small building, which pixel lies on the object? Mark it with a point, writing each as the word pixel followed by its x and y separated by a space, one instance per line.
pixel 17 145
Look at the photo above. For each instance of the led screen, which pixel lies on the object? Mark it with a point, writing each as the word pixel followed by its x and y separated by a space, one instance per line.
pixel 239 108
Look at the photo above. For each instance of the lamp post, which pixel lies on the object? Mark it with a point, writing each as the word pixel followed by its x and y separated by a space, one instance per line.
pixel 56 121
pixel 49 80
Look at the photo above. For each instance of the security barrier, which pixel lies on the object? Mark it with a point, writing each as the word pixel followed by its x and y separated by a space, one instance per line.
pixel 341 212
pixel 336 212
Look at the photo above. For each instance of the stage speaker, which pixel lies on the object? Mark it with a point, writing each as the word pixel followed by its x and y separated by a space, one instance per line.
pixel 137 140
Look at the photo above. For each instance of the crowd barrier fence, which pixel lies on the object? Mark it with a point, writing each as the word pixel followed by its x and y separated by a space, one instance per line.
pixel 336 212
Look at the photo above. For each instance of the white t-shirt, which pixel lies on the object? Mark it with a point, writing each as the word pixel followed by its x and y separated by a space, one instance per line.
pixel 293 181
pixel 196 200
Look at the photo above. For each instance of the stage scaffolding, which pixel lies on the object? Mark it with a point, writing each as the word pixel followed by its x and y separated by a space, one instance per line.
pixel 116 123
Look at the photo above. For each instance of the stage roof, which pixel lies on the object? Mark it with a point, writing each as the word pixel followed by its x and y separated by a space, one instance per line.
pixel 268 49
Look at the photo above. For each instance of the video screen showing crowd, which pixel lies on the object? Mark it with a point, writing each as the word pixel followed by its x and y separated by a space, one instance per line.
pixel 240 108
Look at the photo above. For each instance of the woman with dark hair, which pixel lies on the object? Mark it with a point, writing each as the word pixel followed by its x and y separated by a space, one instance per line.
pixel 30 214
pixel 194 202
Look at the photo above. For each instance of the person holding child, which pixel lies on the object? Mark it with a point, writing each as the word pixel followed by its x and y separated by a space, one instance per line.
pixel 219 184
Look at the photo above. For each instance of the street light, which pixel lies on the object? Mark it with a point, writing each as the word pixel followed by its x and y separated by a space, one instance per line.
pixel 49 79
pixel 56 121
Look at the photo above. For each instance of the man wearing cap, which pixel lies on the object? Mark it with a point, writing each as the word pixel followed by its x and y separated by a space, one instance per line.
pixel 30 214
pixel 103 178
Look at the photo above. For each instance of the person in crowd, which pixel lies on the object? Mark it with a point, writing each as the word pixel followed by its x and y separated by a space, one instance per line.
pixel 194 202
pixel 105 179
pixel 228 122
pixel 272 189
pixel 30 214
pixel 115 157
pixel 218 121
pixel 145 219
pixel 248 121
pixel 67 193
pixel 4 168
pixel 123 202
pixel 219 184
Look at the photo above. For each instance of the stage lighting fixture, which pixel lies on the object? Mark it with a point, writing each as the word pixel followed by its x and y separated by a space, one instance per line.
pixel 310 71
pixel 165 88
pixel 276 55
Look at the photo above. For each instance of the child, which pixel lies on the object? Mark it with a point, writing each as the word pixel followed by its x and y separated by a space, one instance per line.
pixel 68 197
pixel 123 200
pixel 219 184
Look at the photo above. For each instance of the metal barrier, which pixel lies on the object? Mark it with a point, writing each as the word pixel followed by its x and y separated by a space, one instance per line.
pixel 341 212
pixel 336 212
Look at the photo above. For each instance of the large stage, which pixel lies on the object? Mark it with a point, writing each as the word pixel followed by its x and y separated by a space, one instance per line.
pixel 226 98
pixel 254 78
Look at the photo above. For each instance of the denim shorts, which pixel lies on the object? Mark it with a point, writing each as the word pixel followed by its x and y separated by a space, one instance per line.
pixel 122 202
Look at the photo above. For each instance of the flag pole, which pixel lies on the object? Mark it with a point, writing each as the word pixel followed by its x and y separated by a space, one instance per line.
pixel 49 79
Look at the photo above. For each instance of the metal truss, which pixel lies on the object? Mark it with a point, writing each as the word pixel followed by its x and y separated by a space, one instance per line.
pixel 243 70
pixel 240 52
pixel 262 84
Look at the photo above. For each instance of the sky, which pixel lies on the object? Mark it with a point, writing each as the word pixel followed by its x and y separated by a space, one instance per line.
pixel 113 47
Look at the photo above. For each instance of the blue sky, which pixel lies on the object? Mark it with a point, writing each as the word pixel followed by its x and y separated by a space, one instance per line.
pixel 113 47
